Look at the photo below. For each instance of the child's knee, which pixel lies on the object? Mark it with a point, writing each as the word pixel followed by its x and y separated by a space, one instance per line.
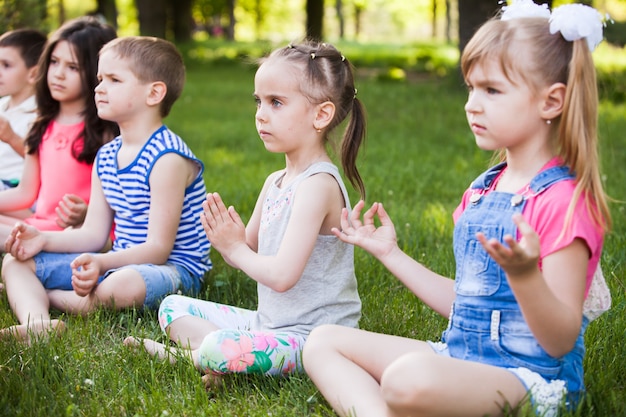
pixel 12 267
pixel 321 338
pixel 322 334
pixel 210 353
pixel 121 289
pixel 407 383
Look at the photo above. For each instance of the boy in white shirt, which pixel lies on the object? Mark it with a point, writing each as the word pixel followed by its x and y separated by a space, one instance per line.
pixel 19 53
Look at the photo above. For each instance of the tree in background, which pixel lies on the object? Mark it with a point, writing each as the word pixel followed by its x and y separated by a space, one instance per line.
pixel 315 19
pixel 473 13
pixel 340 18
pixel 358 20
pixel 181 19
pixel 359 8
pixel 152 17
pixel 15 14
pixel 168 19
pixel 108 10
pixel 211 15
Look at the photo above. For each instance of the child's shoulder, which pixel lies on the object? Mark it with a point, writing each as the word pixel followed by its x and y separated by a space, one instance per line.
pixel 4 103
pixel 28 105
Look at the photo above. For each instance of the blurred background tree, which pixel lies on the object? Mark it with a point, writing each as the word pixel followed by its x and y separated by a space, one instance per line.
pixel 365 21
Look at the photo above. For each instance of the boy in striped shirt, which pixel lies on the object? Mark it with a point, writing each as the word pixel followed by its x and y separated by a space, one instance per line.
pixel 146 182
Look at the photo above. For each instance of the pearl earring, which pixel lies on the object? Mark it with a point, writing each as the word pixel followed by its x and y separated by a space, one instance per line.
pixel 548 122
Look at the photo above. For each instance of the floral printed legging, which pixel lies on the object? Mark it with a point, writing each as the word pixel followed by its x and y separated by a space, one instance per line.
pixel 236 348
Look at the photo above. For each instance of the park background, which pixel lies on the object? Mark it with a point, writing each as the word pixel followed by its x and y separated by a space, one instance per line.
pixel 418 158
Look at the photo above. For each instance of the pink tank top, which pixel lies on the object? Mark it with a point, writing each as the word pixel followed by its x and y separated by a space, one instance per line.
pixel 60 173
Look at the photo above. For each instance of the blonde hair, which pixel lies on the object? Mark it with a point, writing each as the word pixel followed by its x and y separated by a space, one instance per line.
pixel 547 59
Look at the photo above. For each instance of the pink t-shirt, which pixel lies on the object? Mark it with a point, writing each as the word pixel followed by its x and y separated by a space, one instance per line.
pixel 60 173
pixel 545 213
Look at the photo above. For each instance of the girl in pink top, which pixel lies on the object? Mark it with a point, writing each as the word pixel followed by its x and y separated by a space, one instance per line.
pixel 64 139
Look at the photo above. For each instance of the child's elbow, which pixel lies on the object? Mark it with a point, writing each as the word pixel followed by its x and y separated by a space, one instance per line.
pixel 282 287
pixel 160 253
pixel 560 350
pixel 285 283
pixel 562 345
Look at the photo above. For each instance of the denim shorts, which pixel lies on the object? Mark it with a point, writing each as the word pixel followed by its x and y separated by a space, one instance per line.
pixel 546 396
pixel 54 272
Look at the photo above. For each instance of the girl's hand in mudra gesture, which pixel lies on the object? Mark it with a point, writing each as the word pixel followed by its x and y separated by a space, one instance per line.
pixel 223 226
pixel 379 241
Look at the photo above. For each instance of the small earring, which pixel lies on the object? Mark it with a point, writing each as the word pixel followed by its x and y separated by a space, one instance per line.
pixel 548 122
pixel 319 130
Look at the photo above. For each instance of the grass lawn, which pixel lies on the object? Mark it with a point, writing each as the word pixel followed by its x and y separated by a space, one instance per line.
pixel 418 159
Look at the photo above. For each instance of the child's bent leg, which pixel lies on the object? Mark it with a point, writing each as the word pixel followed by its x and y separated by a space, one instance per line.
pixel 188 332
pixel 27 297
pixel 347 364
pixel 188 320
pixel 419 384
pixel 121 289
pixel 241 351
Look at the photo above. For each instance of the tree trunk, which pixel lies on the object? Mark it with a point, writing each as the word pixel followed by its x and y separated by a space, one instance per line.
pixel 448 22
pixel 358 12
pixel 472 14
pixel 339 8
pixel 434 21
pixel 61 7
pixel 258 21
pixel 181 19
pixel 152 16
pixel 230 32
pixel 314 19
pixel 108 10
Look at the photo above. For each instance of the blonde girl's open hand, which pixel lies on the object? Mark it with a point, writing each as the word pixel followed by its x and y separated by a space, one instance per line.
pixel 379 241
pixel 223 226
pixel 518 259
pixel 24 242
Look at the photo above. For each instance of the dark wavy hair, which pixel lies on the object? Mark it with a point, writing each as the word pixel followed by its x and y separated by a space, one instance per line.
pixel 86 35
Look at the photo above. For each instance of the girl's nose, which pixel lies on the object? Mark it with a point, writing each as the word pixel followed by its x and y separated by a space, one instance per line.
pixel 260 114
pixel 471 106
pixel 58 71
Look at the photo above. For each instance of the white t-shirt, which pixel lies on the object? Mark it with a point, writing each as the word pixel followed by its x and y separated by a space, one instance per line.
pixel 21 119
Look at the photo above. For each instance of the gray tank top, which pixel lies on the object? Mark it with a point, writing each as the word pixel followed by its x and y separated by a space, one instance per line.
pixel 327 290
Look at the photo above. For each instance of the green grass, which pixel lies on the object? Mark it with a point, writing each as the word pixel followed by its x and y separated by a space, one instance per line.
pixel 418 159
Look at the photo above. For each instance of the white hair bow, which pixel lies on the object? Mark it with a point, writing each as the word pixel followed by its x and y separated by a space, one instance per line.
pixel 574 21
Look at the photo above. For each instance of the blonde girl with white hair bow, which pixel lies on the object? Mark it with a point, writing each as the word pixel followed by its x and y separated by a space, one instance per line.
pixel 527 240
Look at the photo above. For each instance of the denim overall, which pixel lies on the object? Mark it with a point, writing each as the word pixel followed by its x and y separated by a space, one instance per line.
pixel 486 324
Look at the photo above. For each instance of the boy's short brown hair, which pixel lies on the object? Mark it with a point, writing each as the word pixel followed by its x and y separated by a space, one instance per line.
pixel 152 59
pixel 29 43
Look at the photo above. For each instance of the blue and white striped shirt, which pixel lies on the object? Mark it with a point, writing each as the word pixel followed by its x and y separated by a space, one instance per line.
pixel 127 192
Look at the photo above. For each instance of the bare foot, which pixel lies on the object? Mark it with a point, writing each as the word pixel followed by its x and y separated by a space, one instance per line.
pixel 212 381
pixel 154 348
pixel 28 331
